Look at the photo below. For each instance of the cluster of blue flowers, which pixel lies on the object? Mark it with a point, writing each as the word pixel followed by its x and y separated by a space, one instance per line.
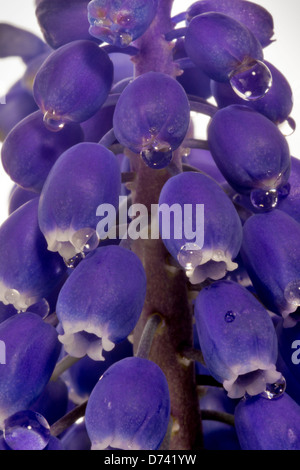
pixel 104 110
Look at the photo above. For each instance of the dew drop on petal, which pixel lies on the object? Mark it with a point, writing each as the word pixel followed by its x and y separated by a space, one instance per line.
pixel 251 80
pixel 229 316
pixel 292 292
pixel 157 156
pixel 85 240
pixel 11 296
pixel 53 122
pixel 26 430
pixel 189 257
pixel 275 390
pixel 287 127
pixel 264 199
pixel 41 308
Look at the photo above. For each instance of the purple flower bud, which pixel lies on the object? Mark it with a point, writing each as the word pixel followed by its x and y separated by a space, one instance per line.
pixel 263 424
pixel 130 407
pixel 63 21
pixel 120 23
pixel 28 272
pixel 66 91
pixel 30 150
pixel 205 244
pixel 152 115
pixel 219 45
pixel 254 16
pixel 271 255
pixel 101 301
pixel 237 338
pixel 276 105
pixel 32 349
pixel 84 177
pixel 251 152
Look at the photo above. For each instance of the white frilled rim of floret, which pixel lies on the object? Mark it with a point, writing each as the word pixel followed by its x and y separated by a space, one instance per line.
pixel 214 265
pixel 70 242
pixel 81 339
pixel 21 301
pixel 60 241
pixel 115 442
pixel 251 379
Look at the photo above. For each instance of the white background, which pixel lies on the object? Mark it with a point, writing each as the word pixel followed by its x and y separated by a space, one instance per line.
pixel 284 54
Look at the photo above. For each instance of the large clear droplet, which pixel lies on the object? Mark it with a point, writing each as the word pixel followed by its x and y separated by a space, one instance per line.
pixel 157 156
pixel 85 240
pixel 53 122
pixel 264 199
pixel 26 430
pixel 292 292
pixel 189 257
pixel 287 127
pixel 12 296
pixel 251 80
pixel 275 390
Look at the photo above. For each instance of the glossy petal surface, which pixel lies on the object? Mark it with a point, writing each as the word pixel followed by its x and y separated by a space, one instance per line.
pixel 101 301
pixel 140 419
pixel 237 338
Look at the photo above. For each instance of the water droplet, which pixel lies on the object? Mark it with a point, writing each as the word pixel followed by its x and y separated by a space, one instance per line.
pixel 264 199
pixel 292 292
pixel 157 156
pixel 53 122
pixel 251 80
pixel 12 296
pixel 85 240
pixel 275 390
pixel 73 262
pixel 26 430
pixel 189 257
pixel 287 127
pixel 171 130
pixel 41 308
pixel 229 316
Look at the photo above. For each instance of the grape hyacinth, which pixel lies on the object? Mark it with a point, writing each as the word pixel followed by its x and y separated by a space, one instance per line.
pixel 149 277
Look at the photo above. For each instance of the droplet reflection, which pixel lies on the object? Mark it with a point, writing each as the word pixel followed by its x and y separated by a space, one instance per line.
pixel 53 122
pixel 251 80
pixel 275 390
pixel 26 430
pixel 264 199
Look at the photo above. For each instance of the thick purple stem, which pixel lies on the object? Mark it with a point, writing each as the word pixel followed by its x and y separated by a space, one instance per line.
pixel 166 287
